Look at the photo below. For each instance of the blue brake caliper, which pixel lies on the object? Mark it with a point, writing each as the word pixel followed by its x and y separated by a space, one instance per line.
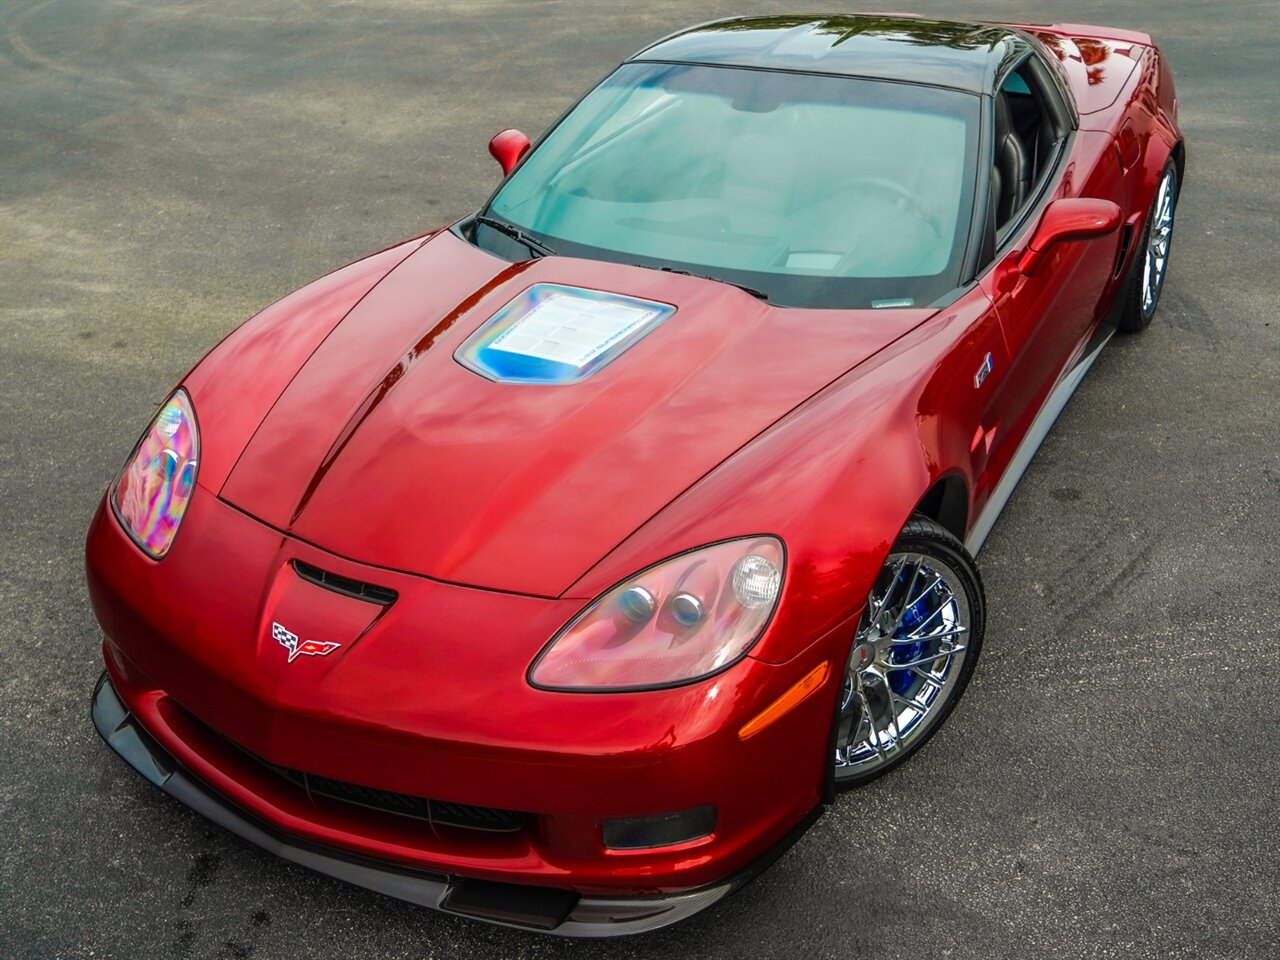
pixel 912 617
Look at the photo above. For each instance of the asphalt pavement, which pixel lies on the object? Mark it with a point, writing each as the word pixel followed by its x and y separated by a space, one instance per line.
pixel 1108 787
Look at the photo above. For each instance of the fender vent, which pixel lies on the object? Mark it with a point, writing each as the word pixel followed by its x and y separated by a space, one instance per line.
pixel 1126 238
pixel 383 596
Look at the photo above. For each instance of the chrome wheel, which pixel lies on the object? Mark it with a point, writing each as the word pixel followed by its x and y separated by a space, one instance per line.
pixel 1159 233
pixel 906 665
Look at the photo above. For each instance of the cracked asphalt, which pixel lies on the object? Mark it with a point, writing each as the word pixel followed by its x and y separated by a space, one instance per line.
pixel 1108 787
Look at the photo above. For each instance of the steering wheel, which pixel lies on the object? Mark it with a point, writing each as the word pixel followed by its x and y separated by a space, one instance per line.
pixel 902 197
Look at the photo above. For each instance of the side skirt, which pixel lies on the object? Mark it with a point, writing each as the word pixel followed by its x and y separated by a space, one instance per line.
pixel 1044 421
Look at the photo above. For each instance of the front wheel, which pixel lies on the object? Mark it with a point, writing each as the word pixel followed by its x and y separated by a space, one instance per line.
pixel 914 652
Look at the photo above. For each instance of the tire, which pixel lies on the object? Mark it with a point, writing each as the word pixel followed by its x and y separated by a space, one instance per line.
pixel 1151 259
pixel 912 656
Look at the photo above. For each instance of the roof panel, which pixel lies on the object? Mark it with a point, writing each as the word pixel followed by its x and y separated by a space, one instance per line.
pixel 939 52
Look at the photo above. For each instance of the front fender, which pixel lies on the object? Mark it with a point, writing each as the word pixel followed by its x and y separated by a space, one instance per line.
pixel 837 478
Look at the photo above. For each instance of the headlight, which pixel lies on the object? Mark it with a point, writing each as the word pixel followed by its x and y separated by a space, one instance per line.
pixel 678 621
pixel 153 491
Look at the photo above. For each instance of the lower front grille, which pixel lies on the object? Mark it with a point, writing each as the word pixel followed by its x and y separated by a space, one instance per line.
pixel 441 812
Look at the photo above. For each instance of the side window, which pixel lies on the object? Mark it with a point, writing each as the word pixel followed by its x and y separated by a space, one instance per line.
pixel 1025 137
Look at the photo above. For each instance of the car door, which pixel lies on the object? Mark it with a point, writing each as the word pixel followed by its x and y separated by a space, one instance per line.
pixel 1047 318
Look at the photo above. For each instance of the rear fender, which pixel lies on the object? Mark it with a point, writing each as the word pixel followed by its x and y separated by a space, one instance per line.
pixel 1156 112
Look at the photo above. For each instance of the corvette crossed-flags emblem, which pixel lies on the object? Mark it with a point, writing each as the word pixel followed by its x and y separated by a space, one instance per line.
pixel 296 648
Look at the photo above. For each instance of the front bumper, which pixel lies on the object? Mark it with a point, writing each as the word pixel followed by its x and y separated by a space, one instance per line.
pixel 526 907
pixel 429 700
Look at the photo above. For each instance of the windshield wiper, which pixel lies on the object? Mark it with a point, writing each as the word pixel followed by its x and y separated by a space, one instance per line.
pixel 515 233
pixel 758 294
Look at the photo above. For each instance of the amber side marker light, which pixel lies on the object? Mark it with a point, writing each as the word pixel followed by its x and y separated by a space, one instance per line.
pixel 810 682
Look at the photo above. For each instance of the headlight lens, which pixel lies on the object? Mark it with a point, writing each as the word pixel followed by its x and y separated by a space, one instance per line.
pixel 153 491
pixel 678 621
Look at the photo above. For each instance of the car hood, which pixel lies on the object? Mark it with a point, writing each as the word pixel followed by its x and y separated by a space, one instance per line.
pixel 385 449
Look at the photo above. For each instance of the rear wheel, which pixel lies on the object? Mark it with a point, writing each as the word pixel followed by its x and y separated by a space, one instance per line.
pixel 1152 261
pixel 914 652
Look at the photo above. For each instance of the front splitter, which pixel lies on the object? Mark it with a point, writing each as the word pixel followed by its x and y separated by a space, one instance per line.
pixel 525 907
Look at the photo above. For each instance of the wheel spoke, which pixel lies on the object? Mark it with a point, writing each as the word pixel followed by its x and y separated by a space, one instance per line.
pixel 923 593
pixel 914 638
pixel 902 610
pixel 930 658
pixel 883 682
pixel 928 678
pixel 913 704
pixel 864 719
pixel 879 605
pixel 872 736
pixel 845 736
pixel 921 625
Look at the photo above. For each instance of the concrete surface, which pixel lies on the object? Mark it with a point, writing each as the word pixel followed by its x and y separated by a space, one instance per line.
pixel 1107 788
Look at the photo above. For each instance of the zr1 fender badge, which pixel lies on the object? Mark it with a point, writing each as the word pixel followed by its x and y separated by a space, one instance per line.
pixel 982 372
pixel 297 648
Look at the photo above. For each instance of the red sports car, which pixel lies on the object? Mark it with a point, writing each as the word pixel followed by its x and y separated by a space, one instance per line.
pixel 557 567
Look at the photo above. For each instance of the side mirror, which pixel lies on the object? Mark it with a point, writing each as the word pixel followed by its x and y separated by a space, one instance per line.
pixel 1075 218
pixel 507 148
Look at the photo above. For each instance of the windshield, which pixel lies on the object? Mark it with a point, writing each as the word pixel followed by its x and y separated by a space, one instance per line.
pixel 816 190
